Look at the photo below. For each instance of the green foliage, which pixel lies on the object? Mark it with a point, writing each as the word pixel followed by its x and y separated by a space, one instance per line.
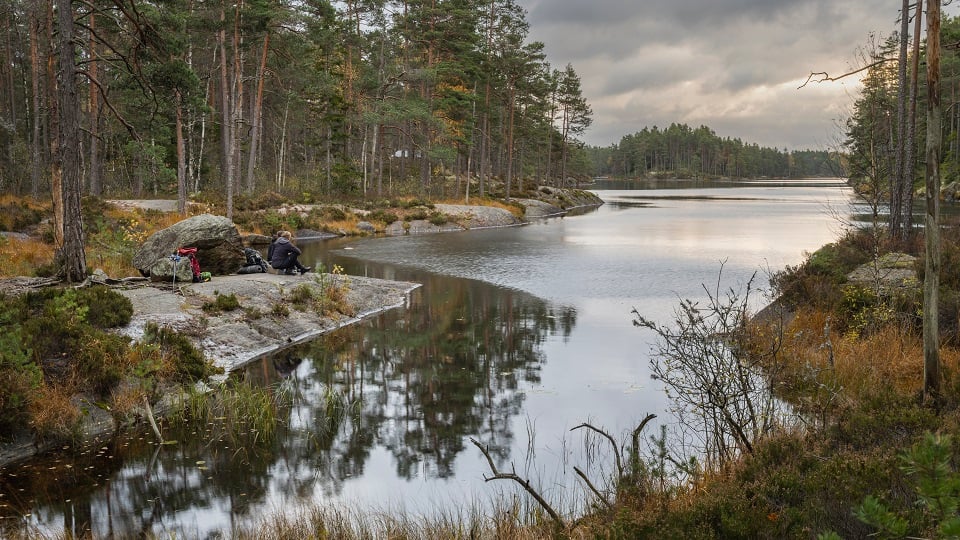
pixel 876 514
pixel 863 310
pixel 268 200
pixel 383 216
pixel 703 153
pixel 269 221
pixel 332 213
pixel 817 281
pixel 937 486
pixel 189 364
pixel 20 377
pixel 106 308
pixel 303 296
pixel 238 412
pixel 419 213
pixel 221 303
pixel 280 310
pixel 438 218
pixel 149 161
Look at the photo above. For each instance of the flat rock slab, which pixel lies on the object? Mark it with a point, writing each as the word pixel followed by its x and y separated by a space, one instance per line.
pixel 889 272
pixel 258 327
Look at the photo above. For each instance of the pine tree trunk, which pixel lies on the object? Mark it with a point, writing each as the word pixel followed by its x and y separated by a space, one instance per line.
pixel 910 161
pixel 931 281
pixel 257 114
pixel 72 257
pixel 181 159
pixel 36 145
pixel 226 117
pixel 96 183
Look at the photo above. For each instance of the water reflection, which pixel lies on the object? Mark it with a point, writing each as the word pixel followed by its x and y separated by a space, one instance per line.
pixel 415 383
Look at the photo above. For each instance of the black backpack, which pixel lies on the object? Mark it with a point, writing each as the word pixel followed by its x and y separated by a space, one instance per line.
pixel 255 262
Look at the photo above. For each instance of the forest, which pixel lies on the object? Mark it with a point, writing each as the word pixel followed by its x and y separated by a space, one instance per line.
pixel 680 151
pixel 310 98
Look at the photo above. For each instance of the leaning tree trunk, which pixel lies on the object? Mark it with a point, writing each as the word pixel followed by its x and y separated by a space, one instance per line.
pixel 931 280
pixel 181 158
pixel 897 179
pixel 910 162
pixel 74 263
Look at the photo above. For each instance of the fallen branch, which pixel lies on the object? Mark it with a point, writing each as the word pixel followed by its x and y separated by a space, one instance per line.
pixel 153 423
pixel 497 475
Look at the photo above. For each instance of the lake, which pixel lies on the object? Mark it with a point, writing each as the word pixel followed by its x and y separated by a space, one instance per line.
pixel 516 336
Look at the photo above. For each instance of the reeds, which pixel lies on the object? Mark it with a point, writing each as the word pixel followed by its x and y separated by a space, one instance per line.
pixel 504 520
pixel 240 413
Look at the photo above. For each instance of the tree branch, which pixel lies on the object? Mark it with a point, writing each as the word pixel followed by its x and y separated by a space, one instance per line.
pixel 592 488
pixel 635 455
pixel 825 77
pixel 497 475
pixel 613 443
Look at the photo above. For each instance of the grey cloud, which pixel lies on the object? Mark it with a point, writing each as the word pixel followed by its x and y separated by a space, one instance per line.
pixel 730 64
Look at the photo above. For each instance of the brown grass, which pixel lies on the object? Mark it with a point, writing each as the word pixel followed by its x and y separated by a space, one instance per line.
pixel 23 257
pixel 349 524
pixel 890 359
pixel 52 413
pixel 478 201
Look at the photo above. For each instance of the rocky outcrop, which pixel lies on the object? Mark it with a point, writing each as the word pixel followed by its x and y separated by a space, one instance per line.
pixel 567 198
pixel 888 273
pixel 219 248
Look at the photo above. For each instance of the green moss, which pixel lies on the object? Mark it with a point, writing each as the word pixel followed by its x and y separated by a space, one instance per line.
pixel 221 303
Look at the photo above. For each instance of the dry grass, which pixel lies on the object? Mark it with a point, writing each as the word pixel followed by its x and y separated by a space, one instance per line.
pixel 501 523
pixel 126 400
pixel 23 257
pixel 52 413
pixel 514 209
pixel 348 226
pixel 890 359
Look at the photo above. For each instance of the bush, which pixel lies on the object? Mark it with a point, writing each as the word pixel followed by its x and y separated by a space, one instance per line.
pixel 438 218
pixel 19 216
pixel 105 308
pixel 383 216
pixel 189 364
pixel 20 378
pixel 223 302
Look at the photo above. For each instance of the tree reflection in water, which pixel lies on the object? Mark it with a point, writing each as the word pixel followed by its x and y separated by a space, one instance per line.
pixel 414 382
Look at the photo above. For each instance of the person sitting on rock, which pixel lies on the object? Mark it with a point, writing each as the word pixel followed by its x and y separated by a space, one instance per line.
pixel 273 245
pixel 285 256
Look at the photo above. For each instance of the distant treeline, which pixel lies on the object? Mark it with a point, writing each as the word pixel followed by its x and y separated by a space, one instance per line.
pixel 683 152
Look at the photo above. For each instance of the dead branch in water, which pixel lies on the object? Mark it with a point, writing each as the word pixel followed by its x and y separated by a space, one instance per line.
pixel 497 475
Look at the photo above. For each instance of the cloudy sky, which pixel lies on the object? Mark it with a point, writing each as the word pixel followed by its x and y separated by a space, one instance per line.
pixel 732 65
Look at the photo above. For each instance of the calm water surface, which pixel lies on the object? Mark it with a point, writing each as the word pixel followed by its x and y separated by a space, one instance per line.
pixel 516 336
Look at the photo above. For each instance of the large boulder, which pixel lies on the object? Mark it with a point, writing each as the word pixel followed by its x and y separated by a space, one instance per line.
pixel 219 248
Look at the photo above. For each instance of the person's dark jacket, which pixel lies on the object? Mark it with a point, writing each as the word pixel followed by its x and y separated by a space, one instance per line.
pixel 273 246
pixel 282 251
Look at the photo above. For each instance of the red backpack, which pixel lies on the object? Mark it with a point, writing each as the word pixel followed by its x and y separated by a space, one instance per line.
pixel 191 253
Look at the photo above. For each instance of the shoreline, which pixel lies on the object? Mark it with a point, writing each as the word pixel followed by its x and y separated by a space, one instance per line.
pixel 230 340
pixel 233 339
